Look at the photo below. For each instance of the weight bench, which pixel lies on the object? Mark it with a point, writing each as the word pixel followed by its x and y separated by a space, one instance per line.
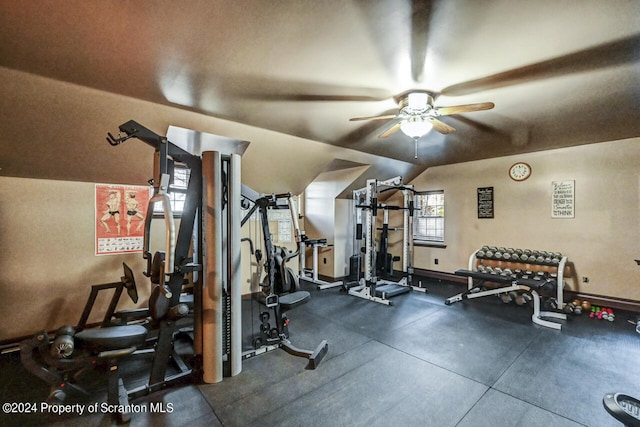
pixel 513 284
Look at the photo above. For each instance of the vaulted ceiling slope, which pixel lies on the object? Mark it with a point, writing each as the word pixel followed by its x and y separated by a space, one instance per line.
pixel 560 72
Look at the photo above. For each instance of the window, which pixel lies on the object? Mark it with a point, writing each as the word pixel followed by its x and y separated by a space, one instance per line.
pixel 428 223
pixel 177 190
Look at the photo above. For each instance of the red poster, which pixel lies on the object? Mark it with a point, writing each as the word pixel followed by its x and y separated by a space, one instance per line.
pixel 120 216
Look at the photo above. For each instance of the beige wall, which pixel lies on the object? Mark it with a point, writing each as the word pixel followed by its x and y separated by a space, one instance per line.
pixel 601 241
pixel 328 217
pixel 48 263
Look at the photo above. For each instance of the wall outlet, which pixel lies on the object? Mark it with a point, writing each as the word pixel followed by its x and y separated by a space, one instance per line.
pixel 435 261
pixel 585 279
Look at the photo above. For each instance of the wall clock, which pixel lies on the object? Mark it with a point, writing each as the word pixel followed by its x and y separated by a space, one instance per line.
pixel 519 171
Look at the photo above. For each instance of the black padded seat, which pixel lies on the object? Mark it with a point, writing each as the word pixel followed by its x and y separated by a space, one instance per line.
pixel 294 299
pixel 114 338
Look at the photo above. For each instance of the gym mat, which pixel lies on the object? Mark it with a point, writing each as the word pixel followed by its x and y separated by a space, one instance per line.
pixel 478 346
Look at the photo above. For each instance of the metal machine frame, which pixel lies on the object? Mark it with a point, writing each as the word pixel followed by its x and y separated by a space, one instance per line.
pixel 211 215
pixel 371 286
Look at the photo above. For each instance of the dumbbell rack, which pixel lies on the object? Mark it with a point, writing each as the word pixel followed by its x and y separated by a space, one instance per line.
pixel 513 282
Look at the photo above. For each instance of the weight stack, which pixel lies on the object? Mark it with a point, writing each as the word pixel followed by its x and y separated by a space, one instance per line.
pixel 355 267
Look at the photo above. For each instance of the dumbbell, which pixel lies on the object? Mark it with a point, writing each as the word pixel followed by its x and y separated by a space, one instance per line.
pixel 506 298
pixel 518 252
pixel 480 254
pixel 523 298
pixel 488 254
pixel 550 304
pixel 497 255
pixel 506 256
pixel 569 308
pixel 577 306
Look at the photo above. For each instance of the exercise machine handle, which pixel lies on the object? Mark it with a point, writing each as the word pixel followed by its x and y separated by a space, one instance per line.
pixel 170 227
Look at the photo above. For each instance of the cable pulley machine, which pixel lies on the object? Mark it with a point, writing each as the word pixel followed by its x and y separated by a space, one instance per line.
pixel 372 285
pixel 207 244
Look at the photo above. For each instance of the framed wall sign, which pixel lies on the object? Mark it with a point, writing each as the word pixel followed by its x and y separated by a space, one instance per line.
pixel 563 199
pixel 485 202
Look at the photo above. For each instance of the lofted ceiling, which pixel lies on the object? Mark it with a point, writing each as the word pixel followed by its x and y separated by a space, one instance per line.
pixel 560 72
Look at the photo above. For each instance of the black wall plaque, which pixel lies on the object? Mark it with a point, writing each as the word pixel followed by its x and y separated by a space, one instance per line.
pixel 485 202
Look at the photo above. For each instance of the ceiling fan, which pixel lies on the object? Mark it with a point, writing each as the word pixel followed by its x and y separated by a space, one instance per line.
pixel 417 115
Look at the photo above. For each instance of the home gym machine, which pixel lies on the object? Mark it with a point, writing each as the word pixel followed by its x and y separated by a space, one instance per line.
pixel 206 247
pixel 378 265
pixel 280 290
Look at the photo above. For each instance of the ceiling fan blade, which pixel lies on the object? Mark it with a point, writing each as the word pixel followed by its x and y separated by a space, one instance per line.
pixel 420 19
pixel 317 98
pixel 386 117
pixel 457 109
pixel 601 56
pixel 393 129
pixel 442 127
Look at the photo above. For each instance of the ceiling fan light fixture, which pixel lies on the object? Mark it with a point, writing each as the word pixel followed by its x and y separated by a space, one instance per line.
pixel 415 127
pixel 418 101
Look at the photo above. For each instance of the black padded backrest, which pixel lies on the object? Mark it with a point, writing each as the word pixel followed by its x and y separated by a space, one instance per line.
pixel 285 279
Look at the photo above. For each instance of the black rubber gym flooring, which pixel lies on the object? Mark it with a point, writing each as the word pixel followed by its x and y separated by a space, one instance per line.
pixel 417 363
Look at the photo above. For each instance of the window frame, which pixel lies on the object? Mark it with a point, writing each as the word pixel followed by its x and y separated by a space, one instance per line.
pixel 181 174
pixel 438 232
